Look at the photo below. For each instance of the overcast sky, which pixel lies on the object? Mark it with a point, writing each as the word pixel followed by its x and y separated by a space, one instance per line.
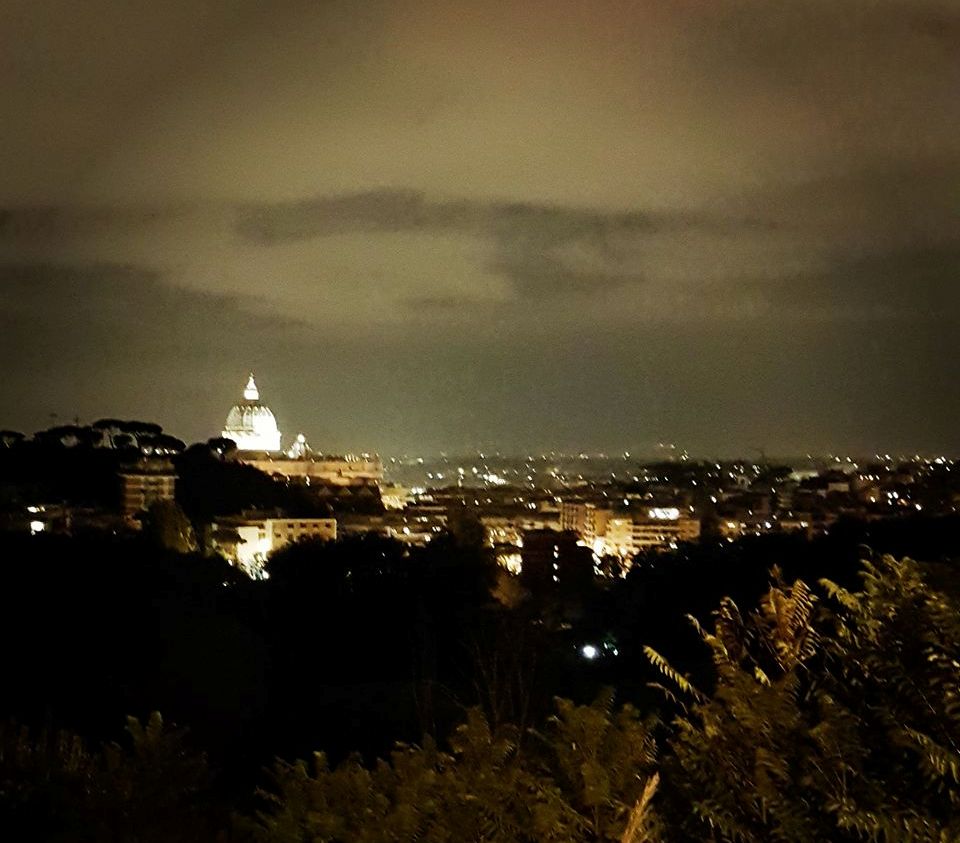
pixel 443 225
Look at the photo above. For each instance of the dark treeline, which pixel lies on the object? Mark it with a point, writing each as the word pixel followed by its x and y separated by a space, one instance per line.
pixel 79 466
pixel 356 644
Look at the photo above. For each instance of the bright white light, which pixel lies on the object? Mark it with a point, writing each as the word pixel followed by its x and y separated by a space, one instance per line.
pixel 513 562
pixel 670 513
pixel 33 509
pixel 37 527
pixel 588 651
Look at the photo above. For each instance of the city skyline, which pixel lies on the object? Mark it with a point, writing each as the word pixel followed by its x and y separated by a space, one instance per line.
pixel 432 227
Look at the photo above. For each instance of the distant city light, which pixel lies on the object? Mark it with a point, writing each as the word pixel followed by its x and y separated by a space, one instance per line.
pixel 37 527
pixel 588 651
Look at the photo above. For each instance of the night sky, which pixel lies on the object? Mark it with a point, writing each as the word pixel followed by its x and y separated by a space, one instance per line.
pixel 522 225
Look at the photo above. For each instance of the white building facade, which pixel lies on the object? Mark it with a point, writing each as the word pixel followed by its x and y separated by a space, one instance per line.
pixel 248 541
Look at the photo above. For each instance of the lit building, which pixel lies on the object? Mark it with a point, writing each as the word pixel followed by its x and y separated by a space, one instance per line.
pixel 251 423
pixel 622 532
pixel 247 541
pixel 395 497
pixel 573 516
pixel 663 527
pixel 617 540
pixel 417 525
pixel 309 469
pixel 508 529
pixel 586 519
pixel 146 482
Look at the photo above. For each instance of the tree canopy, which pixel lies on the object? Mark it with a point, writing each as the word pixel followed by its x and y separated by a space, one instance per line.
pixel 832 715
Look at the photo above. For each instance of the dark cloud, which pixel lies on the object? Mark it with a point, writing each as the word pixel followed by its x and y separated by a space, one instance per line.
pixel 48 223
pixel 527 239
pixel 858 46
pixel 916 285
pixel 126 299
pixel 410 210
pixel 540 277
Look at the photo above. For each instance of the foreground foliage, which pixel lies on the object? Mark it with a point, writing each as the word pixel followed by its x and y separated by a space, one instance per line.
pixel 151 788
pixel 834 717
pixel 578 780
pixel 831 714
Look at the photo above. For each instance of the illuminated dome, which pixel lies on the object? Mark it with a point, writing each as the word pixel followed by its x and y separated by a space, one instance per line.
pixel 252 424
